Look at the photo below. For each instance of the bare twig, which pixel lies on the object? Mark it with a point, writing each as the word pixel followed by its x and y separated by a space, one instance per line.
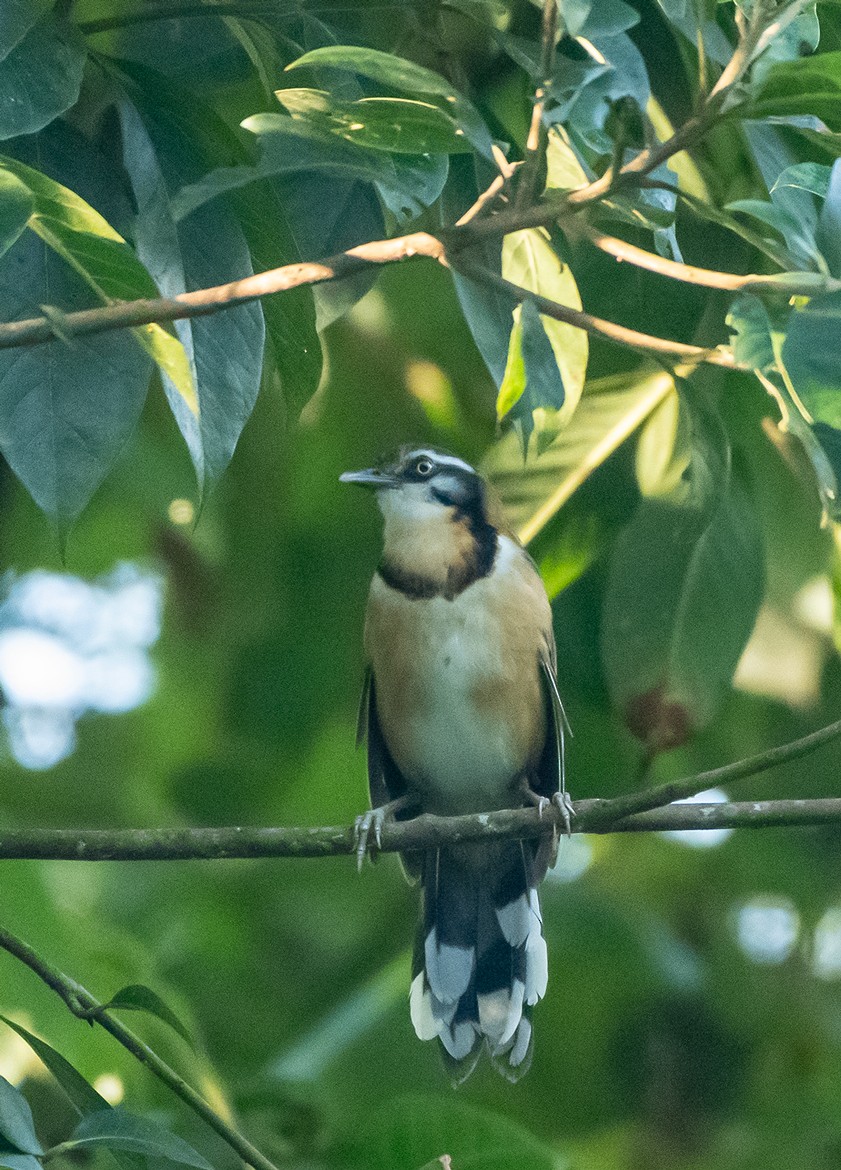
pixel 786 284
pixel 634 812
pixel 86 1007
pixel 596 326
pixel 536 141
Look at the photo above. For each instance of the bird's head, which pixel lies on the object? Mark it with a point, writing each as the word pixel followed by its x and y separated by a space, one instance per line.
pixel 422 484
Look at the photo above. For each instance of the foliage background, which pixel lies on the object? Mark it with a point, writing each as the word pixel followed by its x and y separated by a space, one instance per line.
pixel 693 1017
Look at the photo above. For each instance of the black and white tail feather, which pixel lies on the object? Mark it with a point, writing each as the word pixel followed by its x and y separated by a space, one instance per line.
pixel 480 960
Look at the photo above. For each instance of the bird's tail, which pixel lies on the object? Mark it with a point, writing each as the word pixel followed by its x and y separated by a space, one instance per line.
pixel 480 957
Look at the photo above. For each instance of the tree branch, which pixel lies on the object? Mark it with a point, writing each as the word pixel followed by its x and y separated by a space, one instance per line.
pixel 536 141
pixel 87 1007
pixel 596 326
pixel 646 811
pixel 787 284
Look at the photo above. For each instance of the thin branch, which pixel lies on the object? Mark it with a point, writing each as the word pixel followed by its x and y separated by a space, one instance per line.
pixel 634 812
pixel 423 832
pixel 87 1007
pixel 788 284
pixel 536 141
pixel 124 314
pixel 637 802
pixel 596 326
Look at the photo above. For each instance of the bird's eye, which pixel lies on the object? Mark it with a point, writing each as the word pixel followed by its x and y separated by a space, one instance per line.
pixel 424 467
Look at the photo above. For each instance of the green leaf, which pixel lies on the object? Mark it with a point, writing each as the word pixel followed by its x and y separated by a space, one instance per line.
pixel 684 588
pixel 289 146
pixel 17 18
pixel 529 261
pixel 532 391
pixel 14 1161
pixel 16 206
pixel 751 327
pixel 82 1096
pixel 226 349
pixel 40 77
pixel 812 177
pixel 397 73
pixel 395 125
pixel 611 409
pixel 16 1120
pixel 138 997
pixel 62 424
pixel 810 355
pixel 811 86
pixel 100 255
pixel 416 1129
pixel 114 1129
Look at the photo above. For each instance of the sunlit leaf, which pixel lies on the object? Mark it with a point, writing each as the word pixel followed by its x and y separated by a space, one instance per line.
pixel 610 411
pixel 16 206
pixel 400 74
pixel 391 124
pixel 528 260
pixel 99 254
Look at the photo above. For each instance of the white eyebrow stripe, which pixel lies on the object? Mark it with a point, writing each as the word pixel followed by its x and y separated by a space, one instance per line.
pixel 442 460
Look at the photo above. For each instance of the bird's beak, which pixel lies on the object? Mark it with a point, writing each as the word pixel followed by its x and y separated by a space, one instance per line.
pixel 371 477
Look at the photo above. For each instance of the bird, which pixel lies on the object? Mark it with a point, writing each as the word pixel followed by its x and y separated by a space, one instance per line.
pixel 462 714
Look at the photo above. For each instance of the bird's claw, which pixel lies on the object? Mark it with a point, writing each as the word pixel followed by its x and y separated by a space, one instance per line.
pixel 541 804
pixel 373 819
pixel 563 803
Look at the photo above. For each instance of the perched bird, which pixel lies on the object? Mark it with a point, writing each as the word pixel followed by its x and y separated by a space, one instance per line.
pixel 462 714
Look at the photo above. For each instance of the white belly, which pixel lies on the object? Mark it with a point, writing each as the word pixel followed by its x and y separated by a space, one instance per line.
pixel 461 756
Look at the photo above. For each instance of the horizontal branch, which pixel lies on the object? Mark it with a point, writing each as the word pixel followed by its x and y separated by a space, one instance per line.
pixel 422 832
pixel 634 812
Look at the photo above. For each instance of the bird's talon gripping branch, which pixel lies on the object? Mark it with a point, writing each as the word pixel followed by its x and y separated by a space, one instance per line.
pixel 373 819
pixel 563 803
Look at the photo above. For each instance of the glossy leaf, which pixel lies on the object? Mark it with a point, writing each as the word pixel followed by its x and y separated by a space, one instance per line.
pixel 114 1129
pixel 62 421
pixel 610 411
pixel 16 206
pixel 16 1125
pixel 395 125
pixel 227 348
pixel 138 997
pixel 532 391
pixel 528 260
pixel 289 146
pixel 99 254
pixel 400 74
pixel 805 177
pixel 40 77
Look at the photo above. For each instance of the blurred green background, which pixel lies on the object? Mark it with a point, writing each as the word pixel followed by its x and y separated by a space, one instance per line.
pixel 693 1017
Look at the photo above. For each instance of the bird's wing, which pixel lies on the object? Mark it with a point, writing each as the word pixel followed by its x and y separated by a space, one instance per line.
pixel 385 780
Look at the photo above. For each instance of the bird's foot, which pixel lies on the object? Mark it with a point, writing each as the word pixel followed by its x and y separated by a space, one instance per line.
pixel 563 803
pixel 374 819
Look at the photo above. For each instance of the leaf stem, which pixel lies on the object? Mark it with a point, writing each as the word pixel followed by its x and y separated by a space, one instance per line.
pixel 85 1006
pixel 535 153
